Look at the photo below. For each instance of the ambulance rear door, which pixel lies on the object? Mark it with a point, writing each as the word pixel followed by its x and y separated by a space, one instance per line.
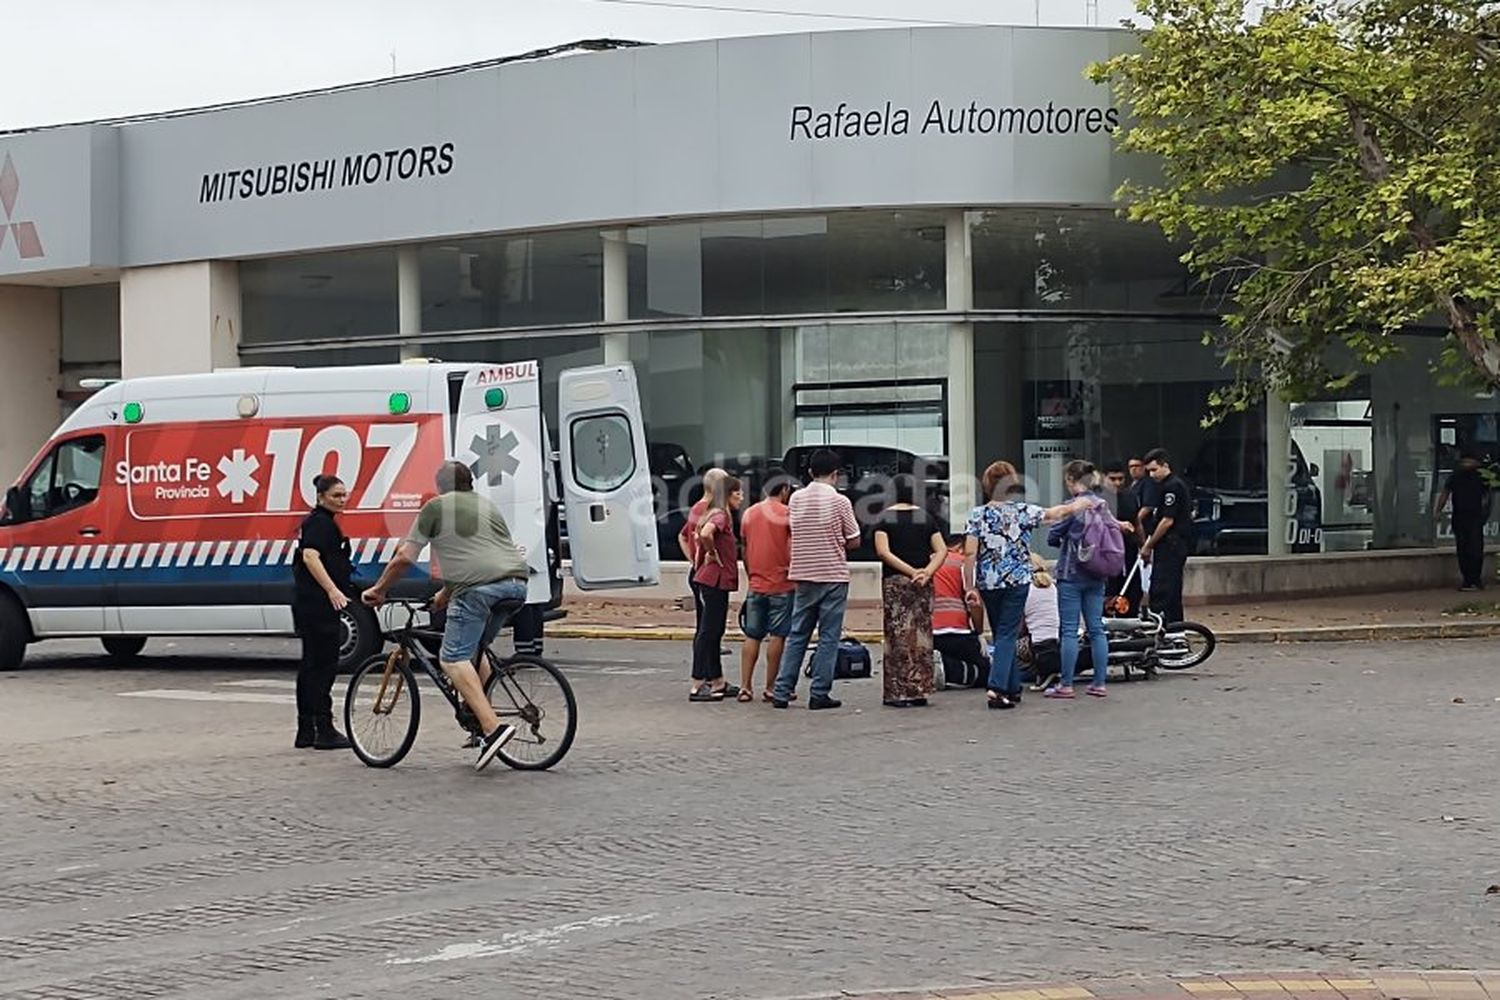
pixel 497 432
pixel 606 479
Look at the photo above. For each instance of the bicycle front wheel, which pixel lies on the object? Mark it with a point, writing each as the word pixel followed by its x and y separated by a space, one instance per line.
pixel 382 709
pixel 1185 645
pixel 531 694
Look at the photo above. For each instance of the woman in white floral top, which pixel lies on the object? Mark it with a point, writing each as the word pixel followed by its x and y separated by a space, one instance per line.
pixel 997 564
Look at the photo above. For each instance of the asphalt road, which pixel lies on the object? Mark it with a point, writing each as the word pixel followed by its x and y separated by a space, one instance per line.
pixel 1296 807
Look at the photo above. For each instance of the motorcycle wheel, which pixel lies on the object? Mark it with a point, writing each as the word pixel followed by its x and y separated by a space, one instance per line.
pixel 1185 645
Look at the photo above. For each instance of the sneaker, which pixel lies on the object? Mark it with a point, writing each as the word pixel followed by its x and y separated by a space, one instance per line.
pixel 491 744
pixel 779 702
pixel 818 703
pixel 1058 692
pixel 1095 691
pixel 1046 682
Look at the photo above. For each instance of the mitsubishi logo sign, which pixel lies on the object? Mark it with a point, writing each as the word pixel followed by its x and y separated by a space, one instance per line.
pixel 28 242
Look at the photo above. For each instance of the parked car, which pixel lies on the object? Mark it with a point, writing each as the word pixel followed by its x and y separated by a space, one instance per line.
pixel 865 478
pixel 1228 480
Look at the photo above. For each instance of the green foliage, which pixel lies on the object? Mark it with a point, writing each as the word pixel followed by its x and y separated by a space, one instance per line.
pixel 1333 167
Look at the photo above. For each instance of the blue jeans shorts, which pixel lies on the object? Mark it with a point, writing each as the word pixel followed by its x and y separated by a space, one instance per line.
pixel 767 614
pixel 472 621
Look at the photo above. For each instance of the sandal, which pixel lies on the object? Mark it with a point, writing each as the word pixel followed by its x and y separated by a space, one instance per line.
pixel 705 693
pixel 727 691
pixel 744 696
pixel 770 696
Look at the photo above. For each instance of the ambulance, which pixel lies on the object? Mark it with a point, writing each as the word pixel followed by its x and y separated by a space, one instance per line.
pixel 170 506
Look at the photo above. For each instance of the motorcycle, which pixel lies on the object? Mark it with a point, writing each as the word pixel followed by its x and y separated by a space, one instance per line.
pixel 1147 643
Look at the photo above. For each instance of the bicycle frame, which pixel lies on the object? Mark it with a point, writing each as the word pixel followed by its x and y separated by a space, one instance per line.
pixel 408 644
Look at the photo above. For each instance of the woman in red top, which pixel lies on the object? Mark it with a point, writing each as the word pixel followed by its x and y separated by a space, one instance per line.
pixel 717 574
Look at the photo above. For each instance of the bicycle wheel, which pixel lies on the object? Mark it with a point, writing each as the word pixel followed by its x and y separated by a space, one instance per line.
pixel 1185 645
pixel 382 709
pixel 534 696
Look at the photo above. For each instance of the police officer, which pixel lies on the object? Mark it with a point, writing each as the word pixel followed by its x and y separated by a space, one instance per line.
pixel 321 571
pixel 1166 548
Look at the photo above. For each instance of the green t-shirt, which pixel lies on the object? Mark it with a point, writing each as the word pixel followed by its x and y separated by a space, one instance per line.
pixel 469 540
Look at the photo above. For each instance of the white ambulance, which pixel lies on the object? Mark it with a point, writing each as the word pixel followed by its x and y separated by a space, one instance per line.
pixel 170 506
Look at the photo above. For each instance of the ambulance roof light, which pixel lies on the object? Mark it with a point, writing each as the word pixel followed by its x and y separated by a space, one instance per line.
pixel 421 361
pixel 95 384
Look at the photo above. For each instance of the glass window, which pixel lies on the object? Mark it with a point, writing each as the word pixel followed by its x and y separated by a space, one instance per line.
pixel 532 279
pixel 603 456
pixel 68 478
pixel 319 296
pixel 1074 259
pixel 865 261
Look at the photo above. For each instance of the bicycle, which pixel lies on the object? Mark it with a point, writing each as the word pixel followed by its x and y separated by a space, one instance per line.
pixel 383 706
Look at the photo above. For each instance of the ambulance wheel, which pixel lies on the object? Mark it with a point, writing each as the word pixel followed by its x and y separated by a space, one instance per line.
pixel 124 648
pixel 15 632
pixel 359 636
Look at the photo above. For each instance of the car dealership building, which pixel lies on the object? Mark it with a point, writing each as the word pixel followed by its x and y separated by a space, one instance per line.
pixel 903 238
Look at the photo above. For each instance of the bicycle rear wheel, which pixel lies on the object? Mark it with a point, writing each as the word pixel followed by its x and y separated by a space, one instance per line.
pixel 382 709
pixel 531 694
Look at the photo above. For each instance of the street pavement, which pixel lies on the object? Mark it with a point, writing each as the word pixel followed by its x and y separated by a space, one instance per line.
pixel 1326 807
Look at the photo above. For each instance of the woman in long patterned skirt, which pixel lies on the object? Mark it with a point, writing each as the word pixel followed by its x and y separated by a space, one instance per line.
pixel 911 550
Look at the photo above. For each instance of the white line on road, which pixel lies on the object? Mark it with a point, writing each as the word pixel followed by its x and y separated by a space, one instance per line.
pixel 247 697
pixel 262 682
pixel 519 942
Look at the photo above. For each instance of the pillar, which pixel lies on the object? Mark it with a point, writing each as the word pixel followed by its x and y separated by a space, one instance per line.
pixel 962 471
pixel 616 295
pixel 177 319
pixel 30 342
pixel 409 299
pixel 1278 474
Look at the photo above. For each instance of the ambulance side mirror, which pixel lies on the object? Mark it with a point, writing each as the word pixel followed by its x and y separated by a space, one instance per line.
pixel 14 504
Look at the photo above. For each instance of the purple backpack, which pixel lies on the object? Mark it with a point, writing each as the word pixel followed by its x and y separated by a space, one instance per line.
pixel 1101 549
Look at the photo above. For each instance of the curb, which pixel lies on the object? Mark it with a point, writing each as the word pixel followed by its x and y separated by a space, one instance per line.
pixel 1354 984
pixel 1478 629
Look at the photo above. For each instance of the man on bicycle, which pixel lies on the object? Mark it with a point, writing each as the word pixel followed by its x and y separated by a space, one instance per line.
pixel 481 569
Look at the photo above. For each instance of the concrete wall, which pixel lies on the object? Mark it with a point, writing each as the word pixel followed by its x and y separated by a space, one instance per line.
pixel 177 319
pixel 30 343
pixel 1209 581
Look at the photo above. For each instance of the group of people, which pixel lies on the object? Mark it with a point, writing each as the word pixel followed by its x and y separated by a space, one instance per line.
pixel 937 589
pixel 484 576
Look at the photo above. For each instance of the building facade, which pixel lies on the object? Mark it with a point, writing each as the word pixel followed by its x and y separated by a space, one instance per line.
pixel 900 238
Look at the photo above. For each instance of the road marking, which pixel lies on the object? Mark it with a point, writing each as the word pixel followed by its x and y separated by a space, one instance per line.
pixel 246 697
pixel 262 682
pixel 520 942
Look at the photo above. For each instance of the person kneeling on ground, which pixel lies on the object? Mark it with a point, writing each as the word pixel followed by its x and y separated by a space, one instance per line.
pixel 958 622
pixel 482 570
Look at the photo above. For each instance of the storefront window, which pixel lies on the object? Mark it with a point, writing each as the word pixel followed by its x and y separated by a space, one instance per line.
pixel 534 279
pixel 865 261
pixel 1078 259
pixel 319 296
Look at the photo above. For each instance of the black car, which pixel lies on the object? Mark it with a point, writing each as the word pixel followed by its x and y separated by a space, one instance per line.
pixel 1228 480
pixel 866 480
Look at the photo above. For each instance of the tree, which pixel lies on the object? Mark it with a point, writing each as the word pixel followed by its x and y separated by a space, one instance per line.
pixel 1334 168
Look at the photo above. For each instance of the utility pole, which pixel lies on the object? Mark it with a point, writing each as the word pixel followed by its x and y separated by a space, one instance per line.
pixel 1091 14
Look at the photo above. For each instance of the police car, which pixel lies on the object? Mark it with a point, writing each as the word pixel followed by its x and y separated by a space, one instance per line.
pixel 170 506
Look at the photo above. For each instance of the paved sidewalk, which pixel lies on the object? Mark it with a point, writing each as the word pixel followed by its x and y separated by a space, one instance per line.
pixel 1402 615
pixel 1231 986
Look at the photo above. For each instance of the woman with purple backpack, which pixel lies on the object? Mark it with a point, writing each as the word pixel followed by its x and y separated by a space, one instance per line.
pixel 1092 552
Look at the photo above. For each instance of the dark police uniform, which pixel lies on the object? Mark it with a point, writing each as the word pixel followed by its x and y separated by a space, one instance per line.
pixel 1470 496
pixel 316 620
pixel 1169 556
